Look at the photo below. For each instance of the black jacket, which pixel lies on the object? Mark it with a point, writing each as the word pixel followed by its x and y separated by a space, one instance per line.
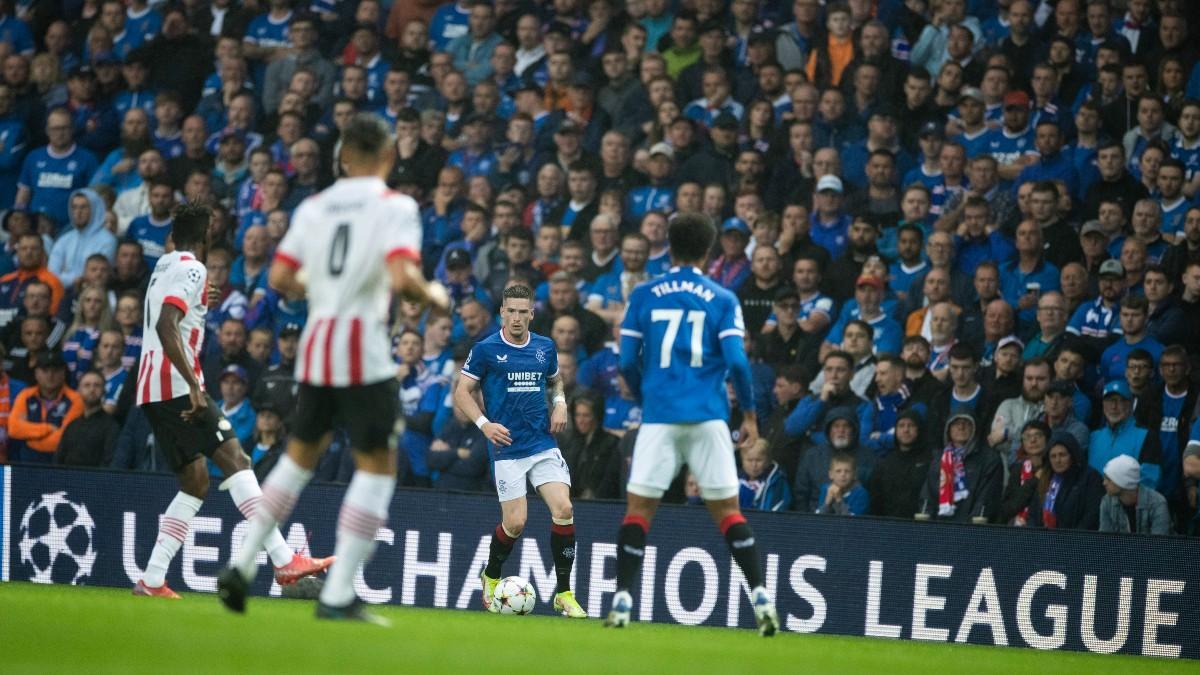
pixel 595 463
pixel 899 478
pixel 814 468
pixel 1077 506
pixel 454 472
pixel 88 441
pixel 985 481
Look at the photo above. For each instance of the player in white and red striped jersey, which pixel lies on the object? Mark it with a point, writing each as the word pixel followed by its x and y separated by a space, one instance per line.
pixel 348 248
pixel 187 423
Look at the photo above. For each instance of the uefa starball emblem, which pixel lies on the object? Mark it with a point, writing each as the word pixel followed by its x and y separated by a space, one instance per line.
pixel 57 540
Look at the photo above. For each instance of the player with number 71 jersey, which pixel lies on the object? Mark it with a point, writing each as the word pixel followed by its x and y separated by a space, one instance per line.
pixel 680 320
pixel 341 237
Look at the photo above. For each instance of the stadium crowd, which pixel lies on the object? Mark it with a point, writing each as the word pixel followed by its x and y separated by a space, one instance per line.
pixel 965 233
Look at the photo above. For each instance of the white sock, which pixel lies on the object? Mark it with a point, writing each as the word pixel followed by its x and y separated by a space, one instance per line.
pixel 243 487
pixel 172 532
pixel 277 498
pixel 364 511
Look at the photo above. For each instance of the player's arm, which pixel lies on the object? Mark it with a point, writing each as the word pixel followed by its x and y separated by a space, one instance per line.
pixel 284 276
pixel 408 281
pixel 558 415
pixel 464 399
pixel 733 350
pixel 172 342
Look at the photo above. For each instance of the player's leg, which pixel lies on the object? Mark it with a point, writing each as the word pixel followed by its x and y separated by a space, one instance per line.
pixel 656 460
pixel 273 504
pixel 370 412
pixel 552 479
pixel 514 510
pixel 173 529
pixel 364 510
pixel 710 458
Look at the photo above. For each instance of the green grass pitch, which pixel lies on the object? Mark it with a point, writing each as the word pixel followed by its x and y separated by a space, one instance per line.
pixel 62 629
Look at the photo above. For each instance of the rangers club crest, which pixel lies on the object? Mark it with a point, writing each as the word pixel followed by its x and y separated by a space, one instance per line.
pixel 540 355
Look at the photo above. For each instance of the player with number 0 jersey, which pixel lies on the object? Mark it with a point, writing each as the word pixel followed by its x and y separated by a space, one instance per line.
pixel 348 249
pixel 681 334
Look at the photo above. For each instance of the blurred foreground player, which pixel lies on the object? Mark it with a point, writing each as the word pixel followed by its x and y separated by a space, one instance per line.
pixel 682 332
pixel 510 371
pixel 348 248
pixel 186 421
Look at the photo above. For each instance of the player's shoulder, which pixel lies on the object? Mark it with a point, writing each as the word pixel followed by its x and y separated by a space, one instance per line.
pixel 540 341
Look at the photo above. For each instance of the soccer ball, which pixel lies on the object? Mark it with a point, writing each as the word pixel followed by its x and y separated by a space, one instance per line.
pixel 515 596
pixel 57 540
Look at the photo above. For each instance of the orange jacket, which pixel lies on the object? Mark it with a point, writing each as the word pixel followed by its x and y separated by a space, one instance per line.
pixel 15 281
pixel 40 422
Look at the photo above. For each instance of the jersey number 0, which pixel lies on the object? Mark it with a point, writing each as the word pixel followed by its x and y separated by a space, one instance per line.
pixel 674 317
pixel 337 252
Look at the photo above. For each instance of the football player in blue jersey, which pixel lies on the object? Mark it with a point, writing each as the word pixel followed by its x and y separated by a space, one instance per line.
pixel 509 372
pixel 681 334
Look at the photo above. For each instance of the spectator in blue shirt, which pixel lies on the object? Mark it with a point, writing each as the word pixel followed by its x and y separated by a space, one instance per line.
pixel 1053 162
pixel 14 137
pixel 659 193
pixel 830 224
pixel 151 230
pixel 1134 312
pixel 50 173
pixel 86 236
pixel 979 239
pixel 450 21
pixel 1025 278
pixel 236 408
pixel 475 157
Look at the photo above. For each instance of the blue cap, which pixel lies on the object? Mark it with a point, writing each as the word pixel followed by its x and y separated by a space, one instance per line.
pixel 735 223
pixel 1119 387
pixel 234 369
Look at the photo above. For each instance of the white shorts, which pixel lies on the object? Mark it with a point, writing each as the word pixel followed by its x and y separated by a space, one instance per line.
pixel 661 449
pixel 548 466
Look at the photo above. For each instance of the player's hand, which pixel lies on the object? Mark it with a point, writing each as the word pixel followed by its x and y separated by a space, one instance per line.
pixel 199 404
pixel 558 418
pixel 748 432
pixel 438 296
pixel 497 433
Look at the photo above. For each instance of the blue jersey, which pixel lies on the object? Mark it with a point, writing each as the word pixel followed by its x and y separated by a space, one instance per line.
pixel 1188 153
pixel 152 235
pixel 17 35
pixel 1172 216
pixel 52 178
pixel 1095 319
pixel 975 144
pixel 648 198
pixel 689 331
pixel 147 24
pixel 513 380
pixel 1008 148
pixel 449 22
pixel 264 31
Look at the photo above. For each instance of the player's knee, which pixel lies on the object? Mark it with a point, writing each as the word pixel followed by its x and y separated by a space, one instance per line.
pixel 562 511
pixel 514 526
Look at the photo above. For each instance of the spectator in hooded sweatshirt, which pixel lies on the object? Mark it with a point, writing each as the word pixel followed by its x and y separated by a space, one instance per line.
pixel 840 435
pixel 1129 506
pixel 1072 498
pixel 966 477
pixel 86 236
pixel 899 478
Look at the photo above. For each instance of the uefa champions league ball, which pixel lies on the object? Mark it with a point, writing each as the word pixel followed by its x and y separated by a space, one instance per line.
pixel 515 596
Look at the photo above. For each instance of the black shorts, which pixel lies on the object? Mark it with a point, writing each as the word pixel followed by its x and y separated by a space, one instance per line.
pixel 368 412
pixel 182 441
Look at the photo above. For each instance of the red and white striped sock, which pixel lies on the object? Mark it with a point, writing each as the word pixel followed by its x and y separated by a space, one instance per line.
pixel 172 532
pixel 273 506
pixel 364 511
pixel 243 488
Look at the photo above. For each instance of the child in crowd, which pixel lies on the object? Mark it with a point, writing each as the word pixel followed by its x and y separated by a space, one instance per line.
pixel 843 495
pixel 763 485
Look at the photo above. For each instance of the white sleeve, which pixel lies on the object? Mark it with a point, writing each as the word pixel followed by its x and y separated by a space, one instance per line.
pixel 402 228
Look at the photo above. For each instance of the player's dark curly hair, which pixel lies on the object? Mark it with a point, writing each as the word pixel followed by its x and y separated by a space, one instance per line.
pixel 518 292
pixel 691 236
pixel 190 225
pixel 366 134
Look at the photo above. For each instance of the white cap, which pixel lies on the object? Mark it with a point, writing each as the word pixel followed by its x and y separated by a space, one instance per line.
pixel 661 148
pixel 830 182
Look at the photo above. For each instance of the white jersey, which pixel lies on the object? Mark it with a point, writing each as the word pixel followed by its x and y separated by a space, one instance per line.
pixel 343 238
pixel 182 281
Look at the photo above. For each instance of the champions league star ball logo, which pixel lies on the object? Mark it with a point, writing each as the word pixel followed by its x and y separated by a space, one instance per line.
pixel 57 540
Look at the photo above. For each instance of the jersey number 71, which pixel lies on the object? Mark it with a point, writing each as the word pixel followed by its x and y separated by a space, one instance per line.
pixel 674 317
